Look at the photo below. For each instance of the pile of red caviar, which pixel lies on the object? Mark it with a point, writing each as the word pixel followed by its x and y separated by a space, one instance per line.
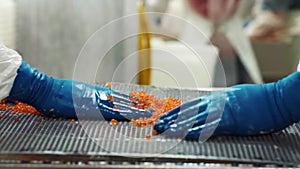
pixel 160 106
pixel 146 101
pixel 18 107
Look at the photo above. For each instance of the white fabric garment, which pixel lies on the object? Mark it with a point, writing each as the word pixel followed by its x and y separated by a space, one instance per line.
pixel 10 62
pixel 231 25
pixel 298 69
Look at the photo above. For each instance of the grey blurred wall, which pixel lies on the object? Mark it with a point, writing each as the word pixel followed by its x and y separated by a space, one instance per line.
pixel 51 33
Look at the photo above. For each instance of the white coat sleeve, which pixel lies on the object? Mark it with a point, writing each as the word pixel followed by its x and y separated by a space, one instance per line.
pixel 298 69
pixel 10 62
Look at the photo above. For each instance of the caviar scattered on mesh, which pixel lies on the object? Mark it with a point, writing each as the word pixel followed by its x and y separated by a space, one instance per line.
pixel 110 98
pixel 18 107
pixel 72 121
pixel 116 107
pixel 108 84
pixel 160 106
pixel 148 137
pixel 114 122
pixel 154 132
pixel 146 101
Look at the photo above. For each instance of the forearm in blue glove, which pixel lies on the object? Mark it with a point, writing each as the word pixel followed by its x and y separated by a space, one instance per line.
pixel 249 109
pixel 70 99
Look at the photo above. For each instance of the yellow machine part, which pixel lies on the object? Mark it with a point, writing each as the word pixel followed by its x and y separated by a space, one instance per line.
pixel 144 47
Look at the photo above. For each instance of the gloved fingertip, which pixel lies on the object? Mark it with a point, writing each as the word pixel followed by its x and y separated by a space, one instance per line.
pixel 151 110
pixel 160 127
pixel 173 112
pixel 161 122
pixel 146 113
pixel 193 135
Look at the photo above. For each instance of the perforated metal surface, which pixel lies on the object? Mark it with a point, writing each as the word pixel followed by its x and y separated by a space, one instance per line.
pixel 31 137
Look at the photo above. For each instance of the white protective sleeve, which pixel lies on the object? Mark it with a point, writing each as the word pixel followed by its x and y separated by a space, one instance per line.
pixel 298 69
pixel 10 62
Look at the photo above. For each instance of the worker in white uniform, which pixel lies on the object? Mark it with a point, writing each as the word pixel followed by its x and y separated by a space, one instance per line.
pixel 248 109
pixel 60 97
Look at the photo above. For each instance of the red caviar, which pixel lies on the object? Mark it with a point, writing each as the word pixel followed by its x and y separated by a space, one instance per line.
pixel 160 106
pixel 18 107
pixel 114 122
pixel 154 132
pixel 116 107
pixel 148 137
pixel 72 121
pixel 108 85
pixel 110 98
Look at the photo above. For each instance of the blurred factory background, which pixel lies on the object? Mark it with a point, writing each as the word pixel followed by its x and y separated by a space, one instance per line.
pixel 50 34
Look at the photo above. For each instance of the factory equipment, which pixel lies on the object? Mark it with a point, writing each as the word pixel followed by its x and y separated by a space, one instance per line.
pixel 32 141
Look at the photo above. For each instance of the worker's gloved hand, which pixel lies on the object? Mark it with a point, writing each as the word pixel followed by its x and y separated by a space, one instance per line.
pixel 249 109
pixel 70 99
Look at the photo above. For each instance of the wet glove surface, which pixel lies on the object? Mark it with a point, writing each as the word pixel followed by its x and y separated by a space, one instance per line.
pixel 249 109
pixel 70 99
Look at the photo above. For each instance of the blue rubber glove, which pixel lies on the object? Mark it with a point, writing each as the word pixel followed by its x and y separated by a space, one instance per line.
pixel 63 98
pixel 249 109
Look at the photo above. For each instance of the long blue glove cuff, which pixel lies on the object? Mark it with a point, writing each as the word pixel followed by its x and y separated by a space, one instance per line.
pixel 265 108
pixel 30 86
pixel 288 93
pixel 54 97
